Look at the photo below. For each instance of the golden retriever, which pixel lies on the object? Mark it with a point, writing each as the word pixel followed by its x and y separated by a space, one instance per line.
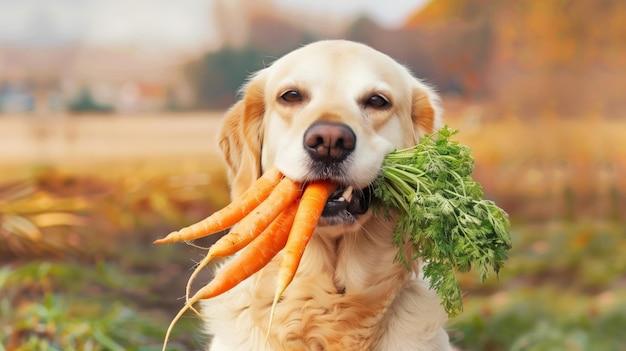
pixel 330 110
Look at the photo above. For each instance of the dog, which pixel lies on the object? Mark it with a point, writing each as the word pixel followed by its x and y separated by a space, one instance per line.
pixel 330 110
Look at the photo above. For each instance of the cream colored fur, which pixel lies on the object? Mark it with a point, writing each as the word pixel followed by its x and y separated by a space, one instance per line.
pixel 348 293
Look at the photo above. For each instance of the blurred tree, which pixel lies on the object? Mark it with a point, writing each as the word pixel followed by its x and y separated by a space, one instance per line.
pixel 404 45
pixel 218 75
pixel 530 53
pixel 521 54
pixel 458 37
pixel 276 36
pixel 86 103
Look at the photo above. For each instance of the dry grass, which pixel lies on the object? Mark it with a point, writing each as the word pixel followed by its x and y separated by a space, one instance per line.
pixel 108 145
pixel 548 168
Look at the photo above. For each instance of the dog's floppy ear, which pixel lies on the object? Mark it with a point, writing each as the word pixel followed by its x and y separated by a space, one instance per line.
pixel 241 136
pixel 426 111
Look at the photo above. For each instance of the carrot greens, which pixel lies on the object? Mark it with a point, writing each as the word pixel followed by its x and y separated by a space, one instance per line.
pixel 442 215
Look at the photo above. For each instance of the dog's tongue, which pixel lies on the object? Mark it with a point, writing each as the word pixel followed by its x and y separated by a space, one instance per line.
pixel 345 199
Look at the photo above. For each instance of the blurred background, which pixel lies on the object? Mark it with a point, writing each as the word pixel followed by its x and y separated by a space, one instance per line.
pixel 109 109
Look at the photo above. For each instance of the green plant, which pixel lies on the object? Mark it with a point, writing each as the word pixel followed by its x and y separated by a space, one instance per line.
pixel 442 214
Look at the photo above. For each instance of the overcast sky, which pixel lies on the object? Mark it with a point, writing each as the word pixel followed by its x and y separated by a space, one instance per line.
pixel 182 23
pixel 386 12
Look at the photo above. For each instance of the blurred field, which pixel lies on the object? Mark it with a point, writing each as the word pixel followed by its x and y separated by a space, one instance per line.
pixel 107 144
pixel 82 197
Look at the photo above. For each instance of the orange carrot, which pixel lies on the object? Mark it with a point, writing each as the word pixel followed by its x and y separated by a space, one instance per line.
pixel 309 211
pixel 251 226
pixel 254 257
pixel 232 213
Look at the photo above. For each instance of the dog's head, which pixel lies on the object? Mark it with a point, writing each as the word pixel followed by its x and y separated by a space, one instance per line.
pixel 329 110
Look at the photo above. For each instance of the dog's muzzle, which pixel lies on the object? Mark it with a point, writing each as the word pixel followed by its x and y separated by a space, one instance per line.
pixel 329 145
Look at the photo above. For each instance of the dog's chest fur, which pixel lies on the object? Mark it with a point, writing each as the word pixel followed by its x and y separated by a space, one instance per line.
pixel 342 298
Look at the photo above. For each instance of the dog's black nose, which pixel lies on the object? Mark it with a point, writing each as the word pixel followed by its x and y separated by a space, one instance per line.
pixel 329 142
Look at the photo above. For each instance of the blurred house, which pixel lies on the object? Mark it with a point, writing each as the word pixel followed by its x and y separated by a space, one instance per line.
pixel 16 97
pixel 113 79
pixel 17 90
pixel 127 80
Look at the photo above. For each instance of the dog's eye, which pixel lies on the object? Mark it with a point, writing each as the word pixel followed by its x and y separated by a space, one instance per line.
pixel 377 101
pixel 291 96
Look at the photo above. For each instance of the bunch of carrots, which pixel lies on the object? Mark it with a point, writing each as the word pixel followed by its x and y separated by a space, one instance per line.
pixel 274 214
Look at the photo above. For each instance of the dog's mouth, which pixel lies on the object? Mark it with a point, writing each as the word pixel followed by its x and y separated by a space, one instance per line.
pixel 345 205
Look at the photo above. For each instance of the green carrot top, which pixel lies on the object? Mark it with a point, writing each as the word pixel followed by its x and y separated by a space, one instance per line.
pixel 442 214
